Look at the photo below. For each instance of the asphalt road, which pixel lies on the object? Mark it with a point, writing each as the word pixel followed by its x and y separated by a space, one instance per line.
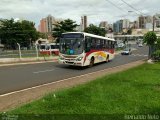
pixel 13 78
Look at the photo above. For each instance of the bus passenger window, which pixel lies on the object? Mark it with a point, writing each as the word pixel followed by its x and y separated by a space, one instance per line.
pixel 87 44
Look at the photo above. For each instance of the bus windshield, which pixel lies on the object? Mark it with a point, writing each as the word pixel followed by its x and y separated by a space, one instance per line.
pixel 71 46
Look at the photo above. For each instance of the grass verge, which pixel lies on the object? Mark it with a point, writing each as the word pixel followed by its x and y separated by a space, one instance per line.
pixel 119 96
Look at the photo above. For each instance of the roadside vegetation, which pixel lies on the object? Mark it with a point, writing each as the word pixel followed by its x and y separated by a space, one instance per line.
pixel 131 92
pixel 153 42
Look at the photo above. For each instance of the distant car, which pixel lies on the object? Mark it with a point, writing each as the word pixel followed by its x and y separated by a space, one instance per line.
pixel 120 45
pixel 126 51
pixel 140 45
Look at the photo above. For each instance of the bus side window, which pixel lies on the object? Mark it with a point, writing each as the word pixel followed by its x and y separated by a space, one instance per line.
pixel 101 43
pixel 107 44
pixel 98 45
pixel 113 44
pixel 93 43
pixel 87 44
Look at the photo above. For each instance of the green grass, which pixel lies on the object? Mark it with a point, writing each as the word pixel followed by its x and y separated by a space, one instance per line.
pixel 135 91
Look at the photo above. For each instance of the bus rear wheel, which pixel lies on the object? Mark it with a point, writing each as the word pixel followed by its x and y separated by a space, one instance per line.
pixel 91 62
pixel 107 59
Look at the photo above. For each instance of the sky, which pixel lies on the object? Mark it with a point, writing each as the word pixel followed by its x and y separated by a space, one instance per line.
pixel 96 10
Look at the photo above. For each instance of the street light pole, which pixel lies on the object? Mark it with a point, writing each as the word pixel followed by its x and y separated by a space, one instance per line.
pixel 37 50
pixel 19 47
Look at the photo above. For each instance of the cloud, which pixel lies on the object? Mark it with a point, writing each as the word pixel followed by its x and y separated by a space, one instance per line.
pixel 96 10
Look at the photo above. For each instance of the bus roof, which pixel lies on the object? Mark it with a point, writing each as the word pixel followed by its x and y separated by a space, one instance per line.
pixel 92 35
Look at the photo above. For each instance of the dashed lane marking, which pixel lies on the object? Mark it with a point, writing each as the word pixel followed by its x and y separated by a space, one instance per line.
pixel 43 71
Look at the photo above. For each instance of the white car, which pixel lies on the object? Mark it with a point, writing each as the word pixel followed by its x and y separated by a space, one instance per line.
pixel 126 51
pixel 140 45
pixel 120 45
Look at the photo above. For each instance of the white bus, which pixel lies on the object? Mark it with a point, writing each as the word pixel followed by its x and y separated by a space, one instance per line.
pixel 84 49
pixel 49 48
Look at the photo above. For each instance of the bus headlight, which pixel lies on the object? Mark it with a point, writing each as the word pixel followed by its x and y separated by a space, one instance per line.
pixel 79 58
pixel 61 58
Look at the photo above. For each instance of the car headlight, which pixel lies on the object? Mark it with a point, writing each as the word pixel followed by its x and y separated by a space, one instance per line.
pixel 79 58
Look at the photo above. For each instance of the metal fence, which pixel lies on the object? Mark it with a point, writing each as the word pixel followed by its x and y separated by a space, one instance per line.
pixel 22 53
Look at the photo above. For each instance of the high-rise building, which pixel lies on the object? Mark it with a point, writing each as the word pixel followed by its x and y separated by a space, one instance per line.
pixel 144 22
pixel 157 20
pixel 47 24
pixel 43 25
pixel 83 23
pixel 50 20
pixel 125 23
pixel 118 26
pixel 133 25
pixel 141 22
pixel 103 24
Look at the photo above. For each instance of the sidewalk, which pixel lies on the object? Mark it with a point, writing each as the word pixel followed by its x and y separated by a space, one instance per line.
pixel 18 61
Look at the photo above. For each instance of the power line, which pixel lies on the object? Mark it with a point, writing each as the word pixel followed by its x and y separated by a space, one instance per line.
pixel 132 7
pixel 115 5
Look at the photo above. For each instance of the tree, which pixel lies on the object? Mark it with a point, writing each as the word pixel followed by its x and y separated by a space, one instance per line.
pixel 67 25
pixel 12 32
pixel 95 30
pixel 150 39
pixel 129 31
pixel 158 43
pixel 42 35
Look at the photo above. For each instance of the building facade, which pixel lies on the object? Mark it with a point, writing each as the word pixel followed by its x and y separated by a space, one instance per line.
pixel 47 24
pixel 103 24
pixel 118 26
pixel 83 23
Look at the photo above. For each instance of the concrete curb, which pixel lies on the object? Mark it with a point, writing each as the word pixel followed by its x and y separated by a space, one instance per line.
pixel 17 98
pixel 15 61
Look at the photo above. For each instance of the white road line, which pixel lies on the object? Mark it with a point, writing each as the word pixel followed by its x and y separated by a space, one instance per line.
pixel 139 55
pixel 10 93
pixel 43 71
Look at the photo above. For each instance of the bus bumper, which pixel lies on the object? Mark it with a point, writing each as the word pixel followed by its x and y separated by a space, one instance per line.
pixel 73 63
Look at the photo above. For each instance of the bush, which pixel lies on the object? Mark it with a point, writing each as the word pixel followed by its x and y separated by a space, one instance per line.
pixel 156 55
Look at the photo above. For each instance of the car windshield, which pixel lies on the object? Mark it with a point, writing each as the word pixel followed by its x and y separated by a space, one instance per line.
pixel 71 46
pixel 126 49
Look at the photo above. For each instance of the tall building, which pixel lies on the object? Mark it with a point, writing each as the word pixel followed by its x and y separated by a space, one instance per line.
pixel 141 22
pixel 83 23
pixel 118 26
pixel 144 22
pixel 125 23
pixel 43 25
pixel 157 20
pixel 103 24
pixel 50 20
pixel 47 24
pixel 133 25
